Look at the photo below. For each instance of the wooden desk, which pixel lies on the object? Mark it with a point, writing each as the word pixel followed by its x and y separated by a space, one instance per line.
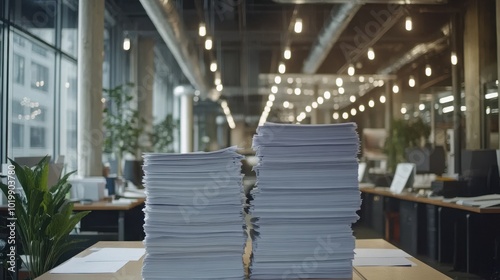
pixel 476 236
pixel 132 270
pixel 108 206
pixel 414 198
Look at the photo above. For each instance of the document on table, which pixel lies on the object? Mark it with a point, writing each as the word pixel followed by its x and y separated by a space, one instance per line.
pixel 115 254
pixel 104 260
pixel 381 257
pixel 483 201
pixel 80 265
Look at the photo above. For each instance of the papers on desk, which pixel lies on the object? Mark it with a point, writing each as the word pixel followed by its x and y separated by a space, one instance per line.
pixel 483 201
pixel 305 202
pixel 193 220
pixel 104 260
pixel 381 257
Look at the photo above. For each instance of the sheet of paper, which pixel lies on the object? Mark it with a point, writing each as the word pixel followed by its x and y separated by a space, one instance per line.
pixel 374 261
pixel 401 177
pixel 79 265
pixel 115 254
pixel 379 253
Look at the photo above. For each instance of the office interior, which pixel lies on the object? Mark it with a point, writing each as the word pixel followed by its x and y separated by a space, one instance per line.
pixel 219 69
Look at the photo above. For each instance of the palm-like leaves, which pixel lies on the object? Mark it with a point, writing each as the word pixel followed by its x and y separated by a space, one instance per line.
pixel 44 216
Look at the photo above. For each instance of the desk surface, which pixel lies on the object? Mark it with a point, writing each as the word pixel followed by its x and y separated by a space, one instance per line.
pixel 132 270
pixel 107 206
pixel 413 197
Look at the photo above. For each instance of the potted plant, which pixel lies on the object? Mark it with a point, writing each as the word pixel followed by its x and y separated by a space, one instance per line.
pixel 404 135
pixel 123 125
pixel 163 135
pixel 44 217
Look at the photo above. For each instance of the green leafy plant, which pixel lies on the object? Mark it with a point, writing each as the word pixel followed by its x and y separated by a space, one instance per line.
pixel 163 135
pixel 404 135
pixel 45 217
pixel 122 123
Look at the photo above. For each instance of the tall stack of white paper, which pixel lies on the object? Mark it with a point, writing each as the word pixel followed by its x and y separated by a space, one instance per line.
pixel 193 221
pixel 306 201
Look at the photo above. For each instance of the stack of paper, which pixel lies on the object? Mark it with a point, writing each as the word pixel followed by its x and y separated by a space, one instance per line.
pixel 306 201
pixel 193 221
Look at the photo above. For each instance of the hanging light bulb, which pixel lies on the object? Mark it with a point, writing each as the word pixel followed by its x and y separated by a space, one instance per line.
pixel 352 98
pixel 320 100
pixel 314 104
pixel 297 91
pixel 277 80
pixel 411 81
pixel 341 90
pixel 208 43
pixel 371 54
pixel 126 43
pixel 395 88
pixel 213 66
pixel 428 70
pixel 351 70
pixel 408 24
pixel 335 116
pixel 353 112
pixel 345 115
pixel 361 108
pixel 327 95
pixel 219 87
pixel 298 25
pixel 454 58
pixel 274 89
pixel 282 68
pixel 371 103
pixel 286 104
pixel 202 30
pixel 339 82
pixel 382 99
pixel 308 108
pixel 287 54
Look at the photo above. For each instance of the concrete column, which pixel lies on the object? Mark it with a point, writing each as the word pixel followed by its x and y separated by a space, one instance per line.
pixel 498 54
pixel 388 108
pixel 185 96
pixel 238 135
pixel 90 58
pixel 479 64
pixel 145 74
pixel 327 116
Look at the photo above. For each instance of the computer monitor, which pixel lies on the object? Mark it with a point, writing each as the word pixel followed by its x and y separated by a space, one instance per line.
pixel 427 160
pixel 479 168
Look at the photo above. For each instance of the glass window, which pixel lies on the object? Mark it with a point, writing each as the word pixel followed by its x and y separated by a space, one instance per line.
pixel 69 32
pixel 37 17
pixel 68 121
pixel 106 64
pixel 37 137
pixel 39 76
pixel 18 72
pixel 17 135
pixel 31 119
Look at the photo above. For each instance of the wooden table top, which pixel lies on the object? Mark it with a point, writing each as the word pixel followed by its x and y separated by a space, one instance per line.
pixel 108 206
pixel 132 270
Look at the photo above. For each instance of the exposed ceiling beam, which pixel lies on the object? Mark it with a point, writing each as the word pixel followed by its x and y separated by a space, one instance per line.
pixel 169 24
pixel 340 16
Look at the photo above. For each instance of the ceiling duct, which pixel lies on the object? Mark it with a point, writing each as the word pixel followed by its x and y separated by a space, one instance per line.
pixel 413 54
pixel 340 16
pixel 400 2
pixel 169 24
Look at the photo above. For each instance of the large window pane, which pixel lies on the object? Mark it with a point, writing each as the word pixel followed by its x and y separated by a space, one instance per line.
pixel 31 121
pixel 18 73
pixel 37 17
pixel 69 35
pixel 68 121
